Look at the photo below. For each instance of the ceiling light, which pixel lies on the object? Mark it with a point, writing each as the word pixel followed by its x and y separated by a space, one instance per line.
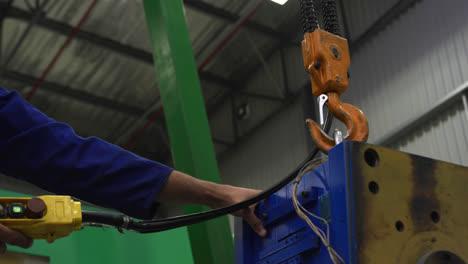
pixel 281 2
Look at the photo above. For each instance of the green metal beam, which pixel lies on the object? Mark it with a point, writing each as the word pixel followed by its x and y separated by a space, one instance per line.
pixel 187 122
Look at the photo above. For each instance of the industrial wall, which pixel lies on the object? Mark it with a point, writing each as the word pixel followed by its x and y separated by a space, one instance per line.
pixel 270 153
pixel 276 146
pixel 396 75
pixel 406 69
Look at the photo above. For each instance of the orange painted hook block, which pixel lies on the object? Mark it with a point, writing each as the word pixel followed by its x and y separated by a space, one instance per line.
pixel 326 57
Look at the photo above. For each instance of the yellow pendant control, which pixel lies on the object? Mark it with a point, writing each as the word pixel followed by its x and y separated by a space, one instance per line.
pixel 46 217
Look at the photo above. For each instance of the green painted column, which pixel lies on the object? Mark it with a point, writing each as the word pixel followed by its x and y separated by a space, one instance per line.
pixel 187 122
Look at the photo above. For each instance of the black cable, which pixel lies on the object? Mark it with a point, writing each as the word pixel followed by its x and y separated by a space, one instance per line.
pixel 309 16
pixel 105 218
pixel 151 226
pixel 330 17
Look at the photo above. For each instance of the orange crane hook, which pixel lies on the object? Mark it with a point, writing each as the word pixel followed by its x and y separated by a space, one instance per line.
pixel 326 57
pixel 353 117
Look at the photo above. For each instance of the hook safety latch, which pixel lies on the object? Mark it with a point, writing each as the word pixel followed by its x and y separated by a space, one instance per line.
pixel 354 119
pixel 326 58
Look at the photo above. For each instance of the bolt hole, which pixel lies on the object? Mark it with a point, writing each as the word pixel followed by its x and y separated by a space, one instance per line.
pixel 441 257
pixel 371 157
pixel 399 226
pixel 373 187
pixel 317 65
pixel 435 217
pixel 336 53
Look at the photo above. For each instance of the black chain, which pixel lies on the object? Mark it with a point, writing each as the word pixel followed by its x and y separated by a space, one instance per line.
pixel 330 17
pixel 308 15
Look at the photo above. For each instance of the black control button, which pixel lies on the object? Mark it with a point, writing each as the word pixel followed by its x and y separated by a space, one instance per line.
pixel 3 210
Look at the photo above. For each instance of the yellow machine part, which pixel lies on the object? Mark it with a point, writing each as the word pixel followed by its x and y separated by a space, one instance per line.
pixel 62 216
pixel 409 209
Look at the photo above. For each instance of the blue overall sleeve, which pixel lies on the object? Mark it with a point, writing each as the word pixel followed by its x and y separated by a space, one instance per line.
pixel 49 154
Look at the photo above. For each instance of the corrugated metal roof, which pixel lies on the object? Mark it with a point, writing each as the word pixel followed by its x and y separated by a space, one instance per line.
pixel 88 68
pixel 94 70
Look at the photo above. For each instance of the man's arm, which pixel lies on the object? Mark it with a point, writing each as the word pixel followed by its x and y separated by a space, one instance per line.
pixel 183 189
pixel 180 188
pixel 50 155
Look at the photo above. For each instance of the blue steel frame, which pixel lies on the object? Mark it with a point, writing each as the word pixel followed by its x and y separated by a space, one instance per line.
pixel 327 192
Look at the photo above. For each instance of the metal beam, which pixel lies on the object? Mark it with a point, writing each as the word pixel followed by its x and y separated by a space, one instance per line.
pixel 38 14
pixel 104 42
pixel 425 116
pixel 186 120
pixel 229 17
pixel 65 29
pixel 82 96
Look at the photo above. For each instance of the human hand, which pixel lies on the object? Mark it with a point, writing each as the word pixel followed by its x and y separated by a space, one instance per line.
pixel 233 195
pixel 181 188
pixel 12 237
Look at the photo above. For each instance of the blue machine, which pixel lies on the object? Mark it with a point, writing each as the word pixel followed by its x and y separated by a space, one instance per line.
pixel 290 240
pixel 375 200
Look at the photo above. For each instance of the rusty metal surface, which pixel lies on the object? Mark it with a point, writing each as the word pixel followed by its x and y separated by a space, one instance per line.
pixel 326 57
pixel 407 206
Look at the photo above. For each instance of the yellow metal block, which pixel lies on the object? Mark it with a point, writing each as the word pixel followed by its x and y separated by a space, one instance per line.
pixel 62 216
pixel 408 209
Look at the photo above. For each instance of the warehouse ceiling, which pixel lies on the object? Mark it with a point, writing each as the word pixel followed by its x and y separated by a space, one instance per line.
pixel 104 83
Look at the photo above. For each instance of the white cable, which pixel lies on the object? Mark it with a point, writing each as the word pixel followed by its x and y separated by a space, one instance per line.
pixel 303 212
